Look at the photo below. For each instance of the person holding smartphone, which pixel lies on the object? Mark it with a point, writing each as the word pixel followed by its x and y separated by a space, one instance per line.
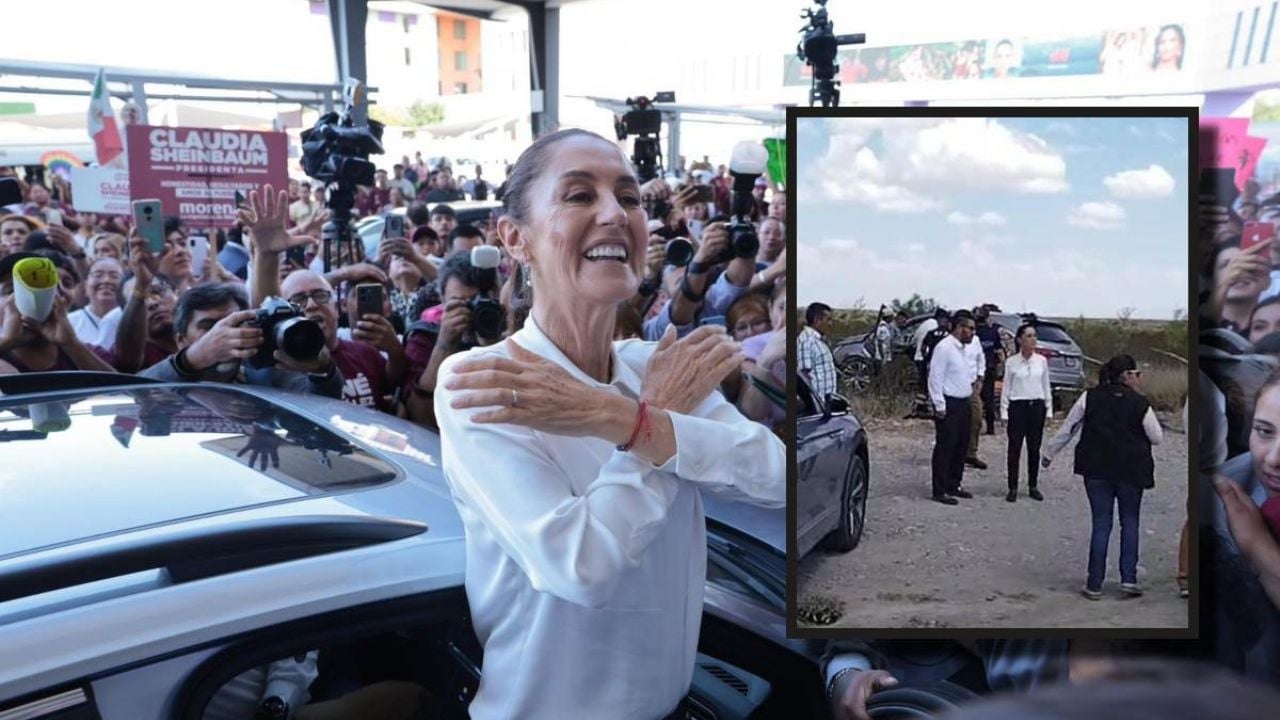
pixel 364 370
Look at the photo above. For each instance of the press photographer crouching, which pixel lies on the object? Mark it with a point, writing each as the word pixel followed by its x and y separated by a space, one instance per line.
pixel 451 327
pixel 221 339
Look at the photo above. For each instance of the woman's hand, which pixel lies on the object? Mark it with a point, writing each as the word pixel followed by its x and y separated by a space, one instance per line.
pixel 682 373
pixel 1257 545
pixel 528 390
pixel 1251 263
pixel 774 351
pixel 56 328
pixel 1244 519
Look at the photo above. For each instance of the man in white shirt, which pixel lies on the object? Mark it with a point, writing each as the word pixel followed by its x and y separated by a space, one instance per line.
pixel 952 372
pixel 96 323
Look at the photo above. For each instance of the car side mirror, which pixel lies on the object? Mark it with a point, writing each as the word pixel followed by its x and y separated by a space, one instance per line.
pixel 837 405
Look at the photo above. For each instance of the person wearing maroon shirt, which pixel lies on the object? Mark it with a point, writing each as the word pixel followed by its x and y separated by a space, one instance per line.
pixel 363 369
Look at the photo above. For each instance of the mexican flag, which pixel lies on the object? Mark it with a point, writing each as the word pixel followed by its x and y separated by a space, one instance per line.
pixel 102 122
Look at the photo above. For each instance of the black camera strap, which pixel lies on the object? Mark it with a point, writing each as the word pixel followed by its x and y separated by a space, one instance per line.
pixel 688 292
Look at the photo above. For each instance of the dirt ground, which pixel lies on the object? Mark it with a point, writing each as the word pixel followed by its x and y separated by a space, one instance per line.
pixel 989 563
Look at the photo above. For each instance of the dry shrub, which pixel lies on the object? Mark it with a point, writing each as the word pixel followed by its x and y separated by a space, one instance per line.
pixel 1165 386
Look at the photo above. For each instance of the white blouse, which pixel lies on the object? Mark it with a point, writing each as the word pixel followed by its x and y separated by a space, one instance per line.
pixel 1025 379
pixel 585 565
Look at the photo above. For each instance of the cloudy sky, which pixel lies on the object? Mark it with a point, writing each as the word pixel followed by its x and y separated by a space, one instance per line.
pixel 1060 216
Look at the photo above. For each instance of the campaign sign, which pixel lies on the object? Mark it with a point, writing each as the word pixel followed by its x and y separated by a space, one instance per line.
pixel 101 190
pixel 195 172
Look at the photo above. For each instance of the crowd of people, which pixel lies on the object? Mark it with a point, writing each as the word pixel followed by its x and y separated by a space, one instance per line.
pixel 589 263
pixel 124 308
pixel 1239 280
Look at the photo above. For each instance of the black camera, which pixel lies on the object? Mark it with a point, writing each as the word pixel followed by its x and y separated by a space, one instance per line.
pixel 743 241
pixel 645 123
pixel 488 317
pixel 285 328
pixel 818 48
pixel 334 151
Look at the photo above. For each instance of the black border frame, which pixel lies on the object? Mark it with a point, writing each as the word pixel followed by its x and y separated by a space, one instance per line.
pixel 1192 630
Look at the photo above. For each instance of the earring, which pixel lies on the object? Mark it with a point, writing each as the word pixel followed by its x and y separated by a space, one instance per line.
pixel 528 276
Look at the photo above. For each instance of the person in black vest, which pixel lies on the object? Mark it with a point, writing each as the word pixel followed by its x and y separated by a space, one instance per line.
pixel 925 340
pixel 1114 457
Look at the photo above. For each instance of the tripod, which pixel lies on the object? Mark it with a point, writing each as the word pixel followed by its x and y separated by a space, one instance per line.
pixel 339 231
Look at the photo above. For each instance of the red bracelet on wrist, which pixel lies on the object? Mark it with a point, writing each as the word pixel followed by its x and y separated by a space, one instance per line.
pixel 642 421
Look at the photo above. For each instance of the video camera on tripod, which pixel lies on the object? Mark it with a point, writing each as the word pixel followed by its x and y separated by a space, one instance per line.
pixel 336 153
pixel 818 48
pixel 644 122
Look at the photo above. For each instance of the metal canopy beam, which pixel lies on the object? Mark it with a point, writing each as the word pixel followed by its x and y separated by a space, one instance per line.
pixel 71 71
pixel 544 40
pixel 347 18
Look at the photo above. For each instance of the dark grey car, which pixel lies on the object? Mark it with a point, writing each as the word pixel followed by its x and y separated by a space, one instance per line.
pixel 832 474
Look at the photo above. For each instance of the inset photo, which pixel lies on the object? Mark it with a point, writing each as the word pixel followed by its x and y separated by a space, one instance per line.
pixel 993 364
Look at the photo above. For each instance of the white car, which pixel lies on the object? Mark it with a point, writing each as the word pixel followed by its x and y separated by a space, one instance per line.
pixel 474 212
pixel 161 539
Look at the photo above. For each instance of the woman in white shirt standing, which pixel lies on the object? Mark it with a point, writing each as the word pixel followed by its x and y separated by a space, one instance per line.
pixel 1117 429
pixel 1026 404
pixel 577 463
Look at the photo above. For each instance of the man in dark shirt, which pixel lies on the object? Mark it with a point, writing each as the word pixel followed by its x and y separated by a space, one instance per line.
pixel 212 324
pixel 989 336
pixel 442 188
pixel 934 337
pixel 364 370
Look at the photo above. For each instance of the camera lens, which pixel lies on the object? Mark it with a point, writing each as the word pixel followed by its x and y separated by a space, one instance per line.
pixel 679 252
pixel 488 319
pixel 745 243
pixel 300 339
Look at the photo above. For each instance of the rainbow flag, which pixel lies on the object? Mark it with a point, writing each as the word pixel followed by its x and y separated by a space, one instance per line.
pixel 60 162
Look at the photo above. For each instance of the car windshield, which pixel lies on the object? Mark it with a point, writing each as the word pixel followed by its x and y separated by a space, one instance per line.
pixel 108 461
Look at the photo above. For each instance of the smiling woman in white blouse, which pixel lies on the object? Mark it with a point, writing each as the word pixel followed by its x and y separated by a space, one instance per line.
pixel 578 463
pixel 1026 404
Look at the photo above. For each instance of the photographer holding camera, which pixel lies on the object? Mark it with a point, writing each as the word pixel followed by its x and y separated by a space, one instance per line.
pixel 217 333
pixel 700 296
pixel 363 370
pixel 449 328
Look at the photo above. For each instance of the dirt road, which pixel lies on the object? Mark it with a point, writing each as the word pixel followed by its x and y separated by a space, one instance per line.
pixel 989 563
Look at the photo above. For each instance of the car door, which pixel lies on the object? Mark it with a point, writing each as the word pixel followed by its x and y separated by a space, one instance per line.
pixel 821 470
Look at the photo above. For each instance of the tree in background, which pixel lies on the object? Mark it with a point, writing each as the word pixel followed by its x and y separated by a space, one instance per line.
pixel 914 305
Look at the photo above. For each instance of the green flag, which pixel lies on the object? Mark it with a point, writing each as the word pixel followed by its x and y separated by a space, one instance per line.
pixel 777 160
